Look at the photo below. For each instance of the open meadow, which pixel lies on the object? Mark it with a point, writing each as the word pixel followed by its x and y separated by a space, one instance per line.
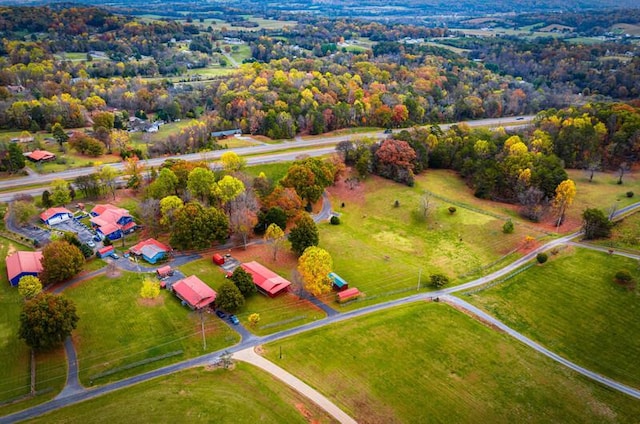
pixel 243 394
pixel 573 306
pixel 427 362
pixel 117 328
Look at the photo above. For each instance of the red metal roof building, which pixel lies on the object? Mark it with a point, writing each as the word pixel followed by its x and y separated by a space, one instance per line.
pixel 194 292
pixel 20 264
pixel 40 156
pixel 267 281
pixel 151 250
pixel 348 294
pixel 55 215
pixel 112 221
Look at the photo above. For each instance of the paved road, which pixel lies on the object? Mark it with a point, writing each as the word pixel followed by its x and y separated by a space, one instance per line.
pixel 72 385
pixel 511 332
pixel 250 356
pixel 252 150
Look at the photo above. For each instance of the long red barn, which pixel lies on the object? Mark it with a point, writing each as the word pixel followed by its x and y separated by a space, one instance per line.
pixel 267 281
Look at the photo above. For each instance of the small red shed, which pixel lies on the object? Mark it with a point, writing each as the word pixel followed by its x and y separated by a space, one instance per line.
pixel 105 251
pixel 164 271
pixel 348 294
pixel 218 259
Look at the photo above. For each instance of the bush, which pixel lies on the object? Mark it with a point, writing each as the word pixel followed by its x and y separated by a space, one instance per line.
pixel 542 258
pixel 107 241
pixel 452 209
pixel 629 194
pixel 508 227
pixel 438 280
pixel 396 204
pixel 624 276
pixel 334 220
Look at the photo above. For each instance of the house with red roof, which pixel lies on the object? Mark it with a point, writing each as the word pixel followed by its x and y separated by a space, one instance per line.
pixel 40 156
pixel 194 292
pixel 151 250
pixel 20 264
pixel 111 221
pixel 56 215
pixel 268 282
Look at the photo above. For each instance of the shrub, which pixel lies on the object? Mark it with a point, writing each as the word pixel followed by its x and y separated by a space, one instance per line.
pixel 629 193
pixel 508 227
pixel 438 280
pixel 542 258
pixel 396 204
pixel 624 276
pixel 334 220
pixel 150 289
pixel 107 241
pixel 452 209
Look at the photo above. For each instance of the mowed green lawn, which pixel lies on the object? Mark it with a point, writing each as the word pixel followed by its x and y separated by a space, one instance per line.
pixel 242 395
pixel 276 314
pixel 572 306
pixel 427 362
pixel 383 249
pixel 15 354
pixel 117 329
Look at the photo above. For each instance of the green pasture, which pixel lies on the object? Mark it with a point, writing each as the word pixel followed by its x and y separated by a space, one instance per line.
pixel 241 52
pixel 384 250
pixel 274 171
pixel 117 329
pixel 243 394
pixel 137 138
pixel 276 314
pixel 15 354
pixel 427 362
pixel 625 234
pixel 572 306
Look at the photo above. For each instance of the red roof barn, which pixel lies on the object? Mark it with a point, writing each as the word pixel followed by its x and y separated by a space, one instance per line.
pixel 20 264
pixel 40 156
pixel 194 292
pixel 267 281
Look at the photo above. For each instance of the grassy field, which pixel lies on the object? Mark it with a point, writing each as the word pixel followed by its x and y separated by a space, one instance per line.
pixel 274 171
pixel 430 363
pixel 382 249
pixel 624 235
pixel 117 328
pixel 276 314
pixel 573 307
pixel 14 353
pixel 241 395
pixel 71 160
pixel 163 132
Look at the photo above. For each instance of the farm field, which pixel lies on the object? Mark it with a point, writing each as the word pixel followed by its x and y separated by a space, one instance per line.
pixel 384 250
pixel 625 234
pixel 243 394
pixel 14 353
pixel 276 314
pixel 427 362
pixel 116 328
pixel 572 306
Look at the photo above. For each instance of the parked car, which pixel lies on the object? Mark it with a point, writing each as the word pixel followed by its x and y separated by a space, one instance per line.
pixel 221 314
pixel 388 131
pixel 115 256
pixel 91 244
pixel 234 320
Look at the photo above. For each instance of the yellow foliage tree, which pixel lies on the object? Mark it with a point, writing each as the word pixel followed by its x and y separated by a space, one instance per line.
pixel 150 289
pixel 565 193
pixel 314 266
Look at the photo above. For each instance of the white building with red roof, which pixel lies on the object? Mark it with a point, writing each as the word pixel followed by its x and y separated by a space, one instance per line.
pixel 20 264
pixel 194 292
pixel 56 215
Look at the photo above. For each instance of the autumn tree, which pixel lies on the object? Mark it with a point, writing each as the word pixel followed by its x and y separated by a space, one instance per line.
pixel 201 183
pixel 285 198
pixel 314 266
pixel 46 321
pixel 165 184
pixel 168 207
pixel 231 162
pixel 60 261
pixel 150 289
pixel 108 177
pixel 243 215
pixel 304 234
pixel 394 159
pixel 565 193
pixel 60 193
pixel 59 135
pixel 275 238
pixel 29 286
pixel 229 297
pixel 244 281
pixel 149 213
pixel 227 189
pixel 22 211
pixel 196 227
pixel 133 168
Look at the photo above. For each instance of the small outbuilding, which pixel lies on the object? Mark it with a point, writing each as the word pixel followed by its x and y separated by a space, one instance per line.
pixel 348 294
pixel 20 264
pixel 54 216
pixel 338 282
pixel 40 156
pixel 218 259
pixel 164 271
pixel 267 282
pixel 105 251
pixel 194 292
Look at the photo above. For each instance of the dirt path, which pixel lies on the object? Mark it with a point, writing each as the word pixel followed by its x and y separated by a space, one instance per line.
pixel 249 355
